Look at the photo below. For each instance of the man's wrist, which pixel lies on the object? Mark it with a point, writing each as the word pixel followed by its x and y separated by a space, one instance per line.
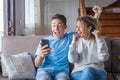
pixel 41 56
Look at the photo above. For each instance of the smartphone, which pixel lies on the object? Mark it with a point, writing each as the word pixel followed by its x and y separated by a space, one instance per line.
pixel 45 42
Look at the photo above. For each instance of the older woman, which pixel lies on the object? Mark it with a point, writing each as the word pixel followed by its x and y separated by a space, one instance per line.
pixel 88 51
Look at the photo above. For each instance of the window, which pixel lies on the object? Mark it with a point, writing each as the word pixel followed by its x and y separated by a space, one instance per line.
pixel 1 22
pixel 1 16
pixel 29 17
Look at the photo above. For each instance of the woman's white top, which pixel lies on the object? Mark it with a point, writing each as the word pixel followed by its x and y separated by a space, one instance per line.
pixel 86 53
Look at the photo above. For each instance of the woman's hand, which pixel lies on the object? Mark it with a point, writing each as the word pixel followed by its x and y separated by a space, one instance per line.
pixel 96 33
pixel 76 37
pixel 97 10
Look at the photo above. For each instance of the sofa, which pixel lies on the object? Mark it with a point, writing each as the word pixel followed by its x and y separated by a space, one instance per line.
pixel 13 45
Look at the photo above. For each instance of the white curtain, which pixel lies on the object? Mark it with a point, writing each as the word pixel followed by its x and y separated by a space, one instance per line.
pixel 1 23
pixel 1 16
pixel 29 18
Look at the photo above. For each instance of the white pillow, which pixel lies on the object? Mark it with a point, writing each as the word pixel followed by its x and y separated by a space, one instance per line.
pixel 19 66
pixel 4 72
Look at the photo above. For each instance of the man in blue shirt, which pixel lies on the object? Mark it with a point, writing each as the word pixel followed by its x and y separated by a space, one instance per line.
pixel 54 60
pixel 52 63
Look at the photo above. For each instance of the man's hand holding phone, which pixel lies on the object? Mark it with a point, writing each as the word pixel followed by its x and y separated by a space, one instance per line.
pixel 44 48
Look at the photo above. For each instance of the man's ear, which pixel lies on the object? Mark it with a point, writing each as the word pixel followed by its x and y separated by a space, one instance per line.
pixel 65 26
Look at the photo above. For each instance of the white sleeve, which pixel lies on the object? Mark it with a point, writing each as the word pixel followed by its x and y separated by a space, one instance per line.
pixel 72 54
pixel 102 48
pixel 38 50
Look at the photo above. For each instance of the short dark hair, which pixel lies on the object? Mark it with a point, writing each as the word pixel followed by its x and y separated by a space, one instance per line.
pixel 61 17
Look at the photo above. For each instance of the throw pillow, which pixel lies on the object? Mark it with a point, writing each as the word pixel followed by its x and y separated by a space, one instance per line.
pixel 4 72
pixel 19 66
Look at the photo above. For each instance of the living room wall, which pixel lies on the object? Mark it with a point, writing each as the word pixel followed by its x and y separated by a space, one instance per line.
pixel 71 12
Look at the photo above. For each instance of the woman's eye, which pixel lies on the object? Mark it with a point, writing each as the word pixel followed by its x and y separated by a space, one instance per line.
pixel 78 26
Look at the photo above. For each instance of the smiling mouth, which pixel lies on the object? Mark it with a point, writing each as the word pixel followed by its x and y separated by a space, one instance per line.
pixel 79 33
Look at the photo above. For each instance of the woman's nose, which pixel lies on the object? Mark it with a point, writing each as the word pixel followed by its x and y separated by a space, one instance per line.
pixel 77 29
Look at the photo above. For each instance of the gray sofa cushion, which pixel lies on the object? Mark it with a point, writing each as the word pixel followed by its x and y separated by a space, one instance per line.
pixel 115 45
pixel 18 44
pixel 108 62
pixel 116 76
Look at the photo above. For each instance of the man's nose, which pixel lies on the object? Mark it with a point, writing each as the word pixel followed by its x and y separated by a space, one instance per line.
pixel 56 27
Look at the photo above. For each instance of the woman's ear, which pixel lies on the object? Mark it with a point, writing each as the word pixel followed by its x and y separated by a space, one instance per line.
pixel 89 28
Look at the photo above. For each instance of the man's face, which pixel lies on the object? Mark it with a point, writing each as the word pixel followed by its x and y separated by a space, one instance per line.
pixel 58 28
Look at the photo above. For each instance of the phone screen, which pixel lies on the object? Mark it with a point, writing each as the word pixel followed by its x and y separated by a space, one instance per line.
pixel 45 42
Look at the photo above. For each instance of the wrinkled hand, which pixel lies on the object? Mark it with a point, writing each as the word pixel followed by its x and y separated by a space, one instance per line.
pixel 96 33
pixel 44 51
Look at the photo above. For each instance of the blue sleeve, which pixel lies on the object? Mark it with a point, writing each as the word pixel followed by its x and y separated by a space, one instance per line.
pixel 70 34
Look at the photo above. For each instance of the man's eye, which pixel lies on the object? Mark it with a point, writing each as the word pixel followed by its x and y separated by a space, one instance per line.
pixel 59 25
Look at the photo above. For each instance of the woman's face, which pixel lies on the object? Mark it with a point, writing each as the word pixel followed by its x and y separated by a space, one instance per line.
pixel 82 30
pixel 58 28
